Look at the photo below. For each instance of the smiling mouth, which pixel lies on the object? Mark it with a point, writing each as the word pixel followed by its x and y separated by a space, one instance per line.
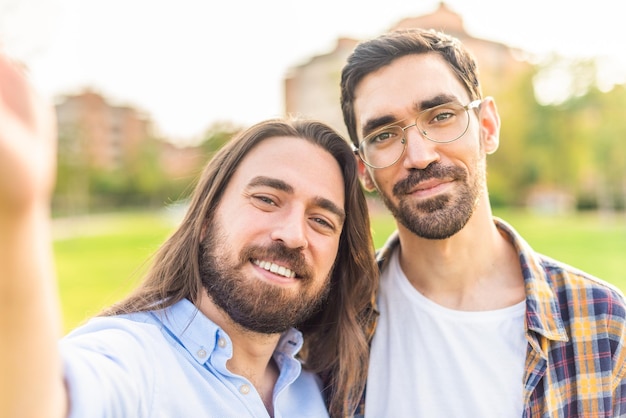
pixel 275 268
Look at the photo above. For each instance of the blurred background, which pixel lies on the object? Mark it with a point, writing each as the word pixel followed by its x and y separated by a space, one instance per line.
pixel 146 90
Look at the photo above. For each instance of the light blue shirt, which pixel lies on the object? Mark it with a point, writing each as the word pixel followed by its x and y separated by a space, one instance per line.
pixel 172 363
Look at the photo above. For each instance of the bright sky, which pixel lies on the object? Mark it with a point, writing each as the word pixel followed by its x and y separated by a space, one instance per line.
pixel 189 63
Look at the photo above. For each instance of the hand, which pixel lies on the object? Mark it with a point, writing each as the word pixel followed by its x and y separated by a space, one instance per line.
pixel 27 143
pixel 30 323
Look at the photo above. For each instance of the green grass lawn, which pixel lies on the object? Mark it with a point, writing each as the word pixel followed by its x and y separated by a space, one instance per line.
pixel 100 259
pixel 103 258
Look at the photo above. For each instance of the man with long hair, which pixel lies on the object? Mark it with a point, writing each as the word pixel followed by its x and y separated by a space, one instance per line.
pixel 473 322
pixel 264 286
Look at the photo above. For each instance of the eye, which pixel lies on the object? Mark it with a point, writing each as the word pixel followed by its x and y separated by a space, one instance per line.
pixel 440 115
pixel 382 138
pixel 323 222
pixel 264 200
pixel 324 225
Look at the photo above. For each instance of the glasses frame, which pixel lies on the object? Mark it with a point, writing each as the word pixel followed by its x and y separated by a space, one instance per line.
pixel 471 105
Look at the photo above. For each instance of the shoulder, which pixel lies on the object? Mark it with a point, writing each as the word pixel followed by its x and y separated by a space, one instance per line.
pixel 567 278
pixel 115 337
pixel 116 353
pixel 581 293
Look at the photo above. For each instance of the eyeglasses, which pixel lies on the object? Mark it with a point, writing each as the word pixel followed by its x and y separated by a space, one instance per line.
pixel 442 124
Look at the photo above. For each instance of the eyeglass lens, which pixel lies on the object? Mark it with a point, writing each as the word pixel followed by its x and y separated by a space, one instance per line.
pixel 444 123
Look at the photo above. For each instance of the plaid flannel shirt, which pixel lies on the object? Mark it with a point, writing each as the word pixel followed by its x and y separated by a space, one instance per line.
pixel 576 332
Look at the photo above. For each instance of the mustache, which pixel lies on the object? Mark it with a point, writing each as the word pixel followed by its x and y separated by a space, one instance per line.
pixel 280 254
pixel 432 171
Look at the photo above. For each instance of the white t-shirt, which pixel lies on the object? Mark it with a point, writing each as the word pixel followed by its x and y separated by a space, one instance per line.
pixel 431 361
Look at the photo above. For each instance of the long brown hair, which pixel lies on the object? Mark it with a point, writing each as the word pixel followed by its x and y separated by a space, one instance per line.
pixel 335 338
pixel 376 53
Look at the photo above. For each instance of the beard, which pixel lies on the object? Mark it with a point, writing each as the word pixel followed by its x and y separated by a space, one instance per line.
pixel 251 303
pixel 441 216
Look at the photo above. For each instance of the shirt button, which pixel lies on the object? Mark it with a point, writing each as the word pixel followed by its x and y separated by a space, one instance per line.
pixel 221 342
pixel 244 389
pixel 201 353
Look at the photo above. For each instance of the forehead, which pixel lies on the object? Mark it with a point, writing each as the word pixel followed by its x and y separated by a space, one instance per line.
pixel 398 88
pixel 308 168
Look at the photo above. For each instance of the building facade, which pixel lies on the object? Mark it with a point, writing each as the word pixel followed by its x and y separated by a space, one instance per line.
pixel 101 135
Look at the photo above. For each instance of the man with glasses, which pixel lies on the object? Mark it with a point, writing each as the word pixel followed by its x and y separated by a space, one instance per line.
pixel 473 322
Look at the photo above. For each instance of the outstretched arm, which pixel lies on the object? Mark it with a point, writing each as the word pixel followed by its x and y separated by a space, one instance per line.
pixel 31 383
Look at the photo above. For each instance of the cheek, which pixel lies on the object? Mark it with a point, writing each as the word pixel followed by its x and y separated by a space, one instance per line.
pixel 238 231
pixel 326 254
pixel 383 180
pixel 463 154
pixel 472 157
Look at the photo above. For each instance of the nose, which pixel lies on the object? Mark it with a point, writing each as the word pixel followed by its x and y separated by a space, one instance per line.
pixel 420 151
pixel 291 229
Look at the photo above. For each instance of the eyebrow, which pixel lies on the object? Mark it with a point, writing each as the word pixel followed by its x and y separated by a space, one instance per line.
pixel 375 123
pixel 435 101
pixel 271 182
pixel 281 185
pixel 420 106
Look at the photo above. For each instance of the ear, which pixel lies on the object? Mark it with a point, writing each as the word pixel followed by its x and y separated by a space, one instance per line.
pixel 365 176
pixel 489 121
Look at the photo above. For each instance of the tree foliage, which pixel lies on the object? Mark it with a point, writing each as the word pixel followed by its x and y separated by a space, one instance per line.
pixel 574 144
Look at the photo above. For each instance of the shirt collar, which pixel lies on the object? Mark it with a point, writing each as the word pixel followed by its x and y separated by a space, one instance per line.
pixel 200 336
pixel 543 314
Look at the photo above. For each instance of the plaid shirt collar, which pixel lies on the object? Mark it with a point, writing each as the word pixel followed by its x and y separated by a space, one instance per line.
pixel 543 317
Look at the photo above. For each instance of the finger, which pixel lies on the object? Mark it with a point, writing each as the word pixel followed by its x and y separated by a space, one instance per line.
pixel 17 97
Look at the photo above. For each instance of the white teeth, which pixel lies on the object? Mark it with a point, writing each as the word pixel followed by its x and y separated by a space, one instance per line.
pixel 275 268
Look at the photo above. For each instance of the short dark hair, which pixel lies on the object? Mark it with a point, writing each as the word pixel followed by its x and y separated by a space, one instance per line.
pixel 371 55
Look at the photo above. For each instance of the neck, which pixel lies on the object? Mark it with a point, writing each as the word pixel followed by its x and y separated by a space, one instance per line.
pixel 475 269
pixel 252 352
